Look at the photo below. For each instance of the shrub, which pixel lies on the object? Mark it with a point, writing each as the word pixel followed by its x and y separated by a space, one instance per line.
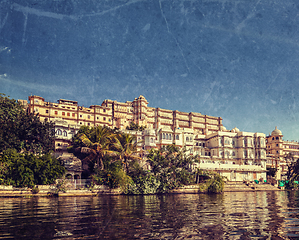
pixel 112 178
pixel 35 190
pixel 213 185
pixel 147 184
pixel 291 184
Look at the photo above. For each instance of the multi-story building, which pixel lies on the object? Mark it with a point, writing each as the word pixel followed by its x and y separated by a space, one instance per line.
pixel 234 154
pixel 277 152
pixel 71 112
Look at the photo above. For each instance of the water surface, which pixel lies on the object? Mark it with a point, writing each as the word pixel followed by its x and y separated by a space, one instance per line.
pixel 239 215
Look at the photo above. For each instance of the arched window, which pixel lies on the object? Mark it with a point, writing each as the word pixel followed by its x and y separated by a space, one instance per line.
pixel 187 139
pixel 59 132
pixel 177 137
pixel 277 138
pixel 163 135
pixel 234 154
pixel 166 136
pixel 64 133
pixel 273 138
pixel 152 140
pixel 169 136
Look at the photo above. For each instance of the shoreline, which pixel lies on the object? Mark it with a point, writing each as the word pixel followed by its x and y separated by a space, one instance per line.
pixel 48 191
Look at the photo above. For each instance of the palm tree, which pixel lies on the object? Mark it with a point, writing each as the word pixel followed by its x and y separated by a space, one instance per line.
pixel 126 148
pixel 97 144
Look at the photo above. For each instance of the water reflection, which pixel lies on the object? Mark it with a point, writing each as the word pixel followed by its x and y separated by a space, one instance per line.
pixel 252 215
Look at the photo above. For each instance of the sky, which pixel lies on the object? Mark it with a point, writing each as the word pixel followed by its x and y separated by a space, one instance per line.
pixel 235 59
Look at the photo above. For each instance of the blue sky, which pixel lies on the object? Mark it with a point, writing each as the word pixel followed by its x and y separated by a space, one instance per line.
pixel 233 59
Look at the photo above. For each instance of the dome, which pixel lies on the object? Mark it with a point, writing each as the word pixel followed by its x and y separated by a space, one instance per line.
pixel 235 130
pixel 223 128
pixel 276 132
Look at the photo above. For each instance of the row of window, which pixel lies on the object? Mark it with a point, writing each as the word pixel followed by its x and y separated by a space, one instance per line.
pixel 277 138
pixel 60 133
pixel 168 136
pixel 189 139
pixel 200 144
pixel 73 115
pixel 292 147
pixel 245 142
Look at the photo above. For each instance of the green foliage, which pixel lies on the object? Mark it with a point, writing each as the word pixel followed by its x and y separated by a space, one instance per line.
pixel 125 148
pixel 112 176
pixel 171 167
pixel 293 168
pixel 214 184
pixel 147 184
pixel 93 144
pixel 135 126
pixel 35 190
pixel 27 170
pixel 271 172
pixel 23 131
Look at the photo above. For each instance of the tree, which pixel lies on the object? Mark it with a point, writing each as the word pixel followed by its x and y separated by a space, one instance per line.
pixel 23 131
pixel 125 146
pixel 95 142
pixel 271 172
pixel 293 167
pixel 171 166
pixel 135 126
pixel 27 170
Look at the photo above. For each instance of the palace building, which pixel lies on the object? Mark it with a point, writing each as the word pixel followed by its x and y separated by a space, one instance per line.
pixel 235 154
pixel 277 152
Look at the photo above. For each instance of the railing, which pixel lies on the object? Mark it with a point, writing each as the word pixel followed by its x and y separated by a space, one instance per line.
pixel 76 183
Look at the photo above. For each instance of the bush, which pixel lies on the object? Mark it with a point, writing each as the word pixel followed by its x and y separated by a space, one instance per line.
pixel 213 185
pixel 112 178
pixel 291 185
pixel 35 190
pixel 148 184
pixel 28 170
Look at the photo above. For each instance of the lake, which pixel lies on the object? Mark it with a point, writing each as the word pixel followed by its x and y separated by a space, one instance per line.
pixel 236 215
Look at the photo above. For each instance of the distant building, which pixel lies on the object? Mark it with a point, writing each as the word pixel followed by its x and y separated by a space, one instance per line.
pixel 277 150
pixel 235 154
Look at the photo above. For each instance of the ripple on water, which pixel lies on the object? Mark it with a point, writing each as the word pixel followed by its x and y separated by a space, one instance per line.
pixel 253 215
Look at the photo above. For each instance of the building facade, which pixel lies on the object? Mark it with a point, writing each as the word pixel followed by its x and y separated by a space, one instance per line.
pixel 235 154
pixel 277 152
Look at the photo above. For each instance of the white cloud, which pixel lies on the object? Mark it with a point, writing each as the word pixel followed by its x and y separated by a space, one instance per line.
pixel 33 86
